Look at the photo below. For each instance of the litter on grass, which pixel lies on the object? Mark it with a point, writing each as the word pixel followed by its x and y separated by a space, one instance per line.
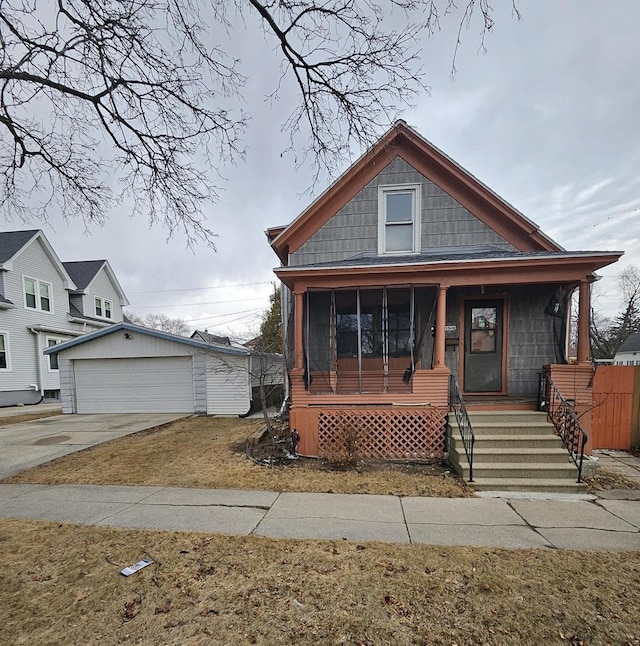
pixel 132 569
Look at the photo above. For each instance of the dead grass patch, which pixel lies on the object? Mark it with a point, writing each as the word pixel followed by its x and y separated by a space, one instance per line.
pixel 60 584
pixel 207 452
pixel 27 417
pixel 606 479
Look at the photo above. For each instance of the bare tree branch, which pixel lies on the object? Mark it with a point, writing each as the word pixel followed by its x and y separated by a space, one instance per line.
pixel 106 99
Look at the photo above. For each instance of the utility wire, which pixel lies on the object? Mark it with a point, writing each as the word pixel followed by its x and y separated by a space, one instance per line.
pixel 195 289
pixel 239 300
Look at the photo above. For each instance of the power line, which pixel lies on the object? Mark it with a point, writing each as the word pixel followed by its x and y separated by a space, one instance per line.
pixel 245 314
pixel 239 300
pixel 195 289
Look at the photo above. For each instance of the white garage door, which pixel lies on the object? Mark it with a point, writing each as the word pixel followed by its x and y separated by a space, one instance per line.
pixel 141 385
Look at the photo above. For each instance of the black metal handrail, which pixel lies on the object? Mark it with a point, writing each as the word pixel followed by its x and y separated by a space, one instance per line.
pixel 560 412
pixel 459 408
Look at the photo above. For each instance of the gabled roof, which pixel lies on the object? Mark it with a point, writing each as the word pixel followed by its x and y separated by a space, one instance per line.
pixel 632 344
pixel 403 141
pixel 211 338
pixel 13 242
pixel 136 329
pixel 83 273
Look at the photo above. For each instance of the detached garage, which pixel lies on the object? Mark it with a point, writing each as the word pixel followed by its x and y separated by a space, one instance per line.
pixel 130 369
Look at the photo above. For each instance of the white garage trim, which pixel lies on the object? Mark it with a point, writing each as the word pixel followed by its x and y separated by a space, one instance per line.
pixel 135 385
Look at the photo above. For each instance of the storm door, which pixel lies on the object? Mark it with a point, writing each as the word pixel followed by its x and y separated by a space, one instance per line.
pixel 483 346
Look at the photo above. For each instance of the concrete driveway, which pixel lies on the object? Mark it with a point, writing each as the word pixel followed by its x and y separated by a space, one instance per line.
pixel 28 444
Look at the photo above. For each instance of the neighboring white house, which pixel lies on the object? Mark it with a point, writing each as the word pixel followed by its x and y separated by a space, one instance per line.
pixel 44 302
pixel 629 352
pixel 130 369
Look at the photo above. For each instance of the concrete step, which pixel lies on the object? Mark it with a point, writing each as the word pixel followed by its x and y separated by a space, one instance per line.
pixel 514 456
pixel 514 442
pixel 546 485
pixel 507 416
pixel 527 471
pixel 508 428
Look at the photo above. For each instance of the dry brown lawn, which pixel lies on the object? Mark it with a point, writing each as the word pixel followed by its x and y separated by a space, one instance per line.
pixel 27 417
pixel 60 584
pixel 208 452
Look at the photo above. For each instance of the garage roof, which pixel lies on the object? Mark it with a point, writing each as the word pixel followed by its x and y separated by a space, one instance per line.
pixel 136 329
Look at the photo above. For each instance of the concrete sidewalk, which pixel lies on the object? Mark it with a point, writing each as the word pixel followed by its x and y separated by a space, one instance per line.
pixel 605 525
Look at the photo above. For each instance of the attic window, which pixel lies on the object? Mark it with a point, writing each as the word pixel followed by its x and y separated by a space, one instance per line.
pixel 37 295
pixel 399 219
pixel 103 307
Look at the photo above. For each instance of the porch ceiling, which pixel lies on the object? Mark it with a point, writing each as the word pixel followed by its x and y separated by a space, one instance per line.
pixel 507 268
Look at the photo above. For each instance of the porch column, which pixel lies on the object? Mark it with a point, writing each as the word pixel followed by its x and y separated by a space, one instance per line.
pixel 584 309
pixel 299 328
pixel 441 316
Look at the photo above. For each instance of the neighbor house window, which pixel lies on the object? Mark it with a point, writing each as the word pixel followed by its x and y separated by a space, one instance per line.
pixel 53 358
pixel 103 307
pixel 4 351
pixel 37 295
pixel 399 219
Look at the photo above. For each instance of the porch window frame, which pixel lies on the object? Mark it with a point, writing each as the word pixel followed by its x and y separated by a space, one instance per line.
pixel 416 219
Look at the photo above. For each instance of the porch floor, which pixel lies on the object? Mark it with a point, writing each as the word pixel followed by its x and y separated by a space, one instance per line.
pixel 500 402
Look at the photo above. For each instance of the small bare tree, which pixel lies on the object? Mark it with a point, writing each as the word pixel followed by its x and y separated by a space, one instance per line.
pixel 160 322
pixel 609 333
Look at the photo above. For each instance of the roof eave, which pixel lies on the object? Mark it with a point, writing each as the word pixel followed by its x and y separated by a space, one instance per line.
pixel 127 327
pixel 443 268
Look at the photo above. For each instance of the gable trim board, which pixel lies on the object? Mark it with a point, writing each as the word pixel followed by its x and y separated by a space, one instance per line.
pixel 404 142
pixel 126 368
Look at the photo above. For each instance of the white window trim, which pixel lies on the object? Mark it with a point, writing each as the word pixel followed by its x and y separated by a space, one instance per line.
pixel 7 351
pixel 38 282
pixel 59 339
pixel 416 221
pixel 103 301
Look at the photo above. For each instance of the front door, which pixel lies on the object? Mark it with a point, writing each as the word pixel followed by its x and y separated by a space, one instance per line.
pixel 483 330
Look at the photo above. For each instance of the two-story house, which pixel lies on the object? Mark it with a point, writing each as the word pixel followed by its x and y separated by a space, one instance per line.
pixel 408 271
pixel 43 302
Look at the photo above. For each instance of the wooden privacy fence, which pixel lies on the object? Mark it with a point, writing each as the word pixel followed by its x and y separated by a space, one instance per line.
pixel 615 417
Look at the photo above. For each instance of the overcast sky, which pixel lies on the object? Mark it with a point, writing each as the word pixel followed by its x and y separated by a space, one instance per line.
pixel 549 118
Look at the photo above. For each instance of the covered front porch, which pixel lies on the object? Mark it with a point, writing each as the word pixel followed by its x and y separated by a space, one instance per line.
pixel 374 350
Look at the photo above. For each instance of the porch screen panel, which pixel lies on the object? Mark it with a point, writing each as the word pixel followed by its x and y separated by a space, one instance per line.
pixel 400 337
pixel 372 341
pixel 425 305
pixel 318 341
pixel 347 341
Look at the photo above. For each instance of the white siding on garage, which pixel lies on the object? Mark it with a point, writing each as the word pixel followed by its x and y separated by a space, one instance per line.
pixel 140 385
pixel 228 385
